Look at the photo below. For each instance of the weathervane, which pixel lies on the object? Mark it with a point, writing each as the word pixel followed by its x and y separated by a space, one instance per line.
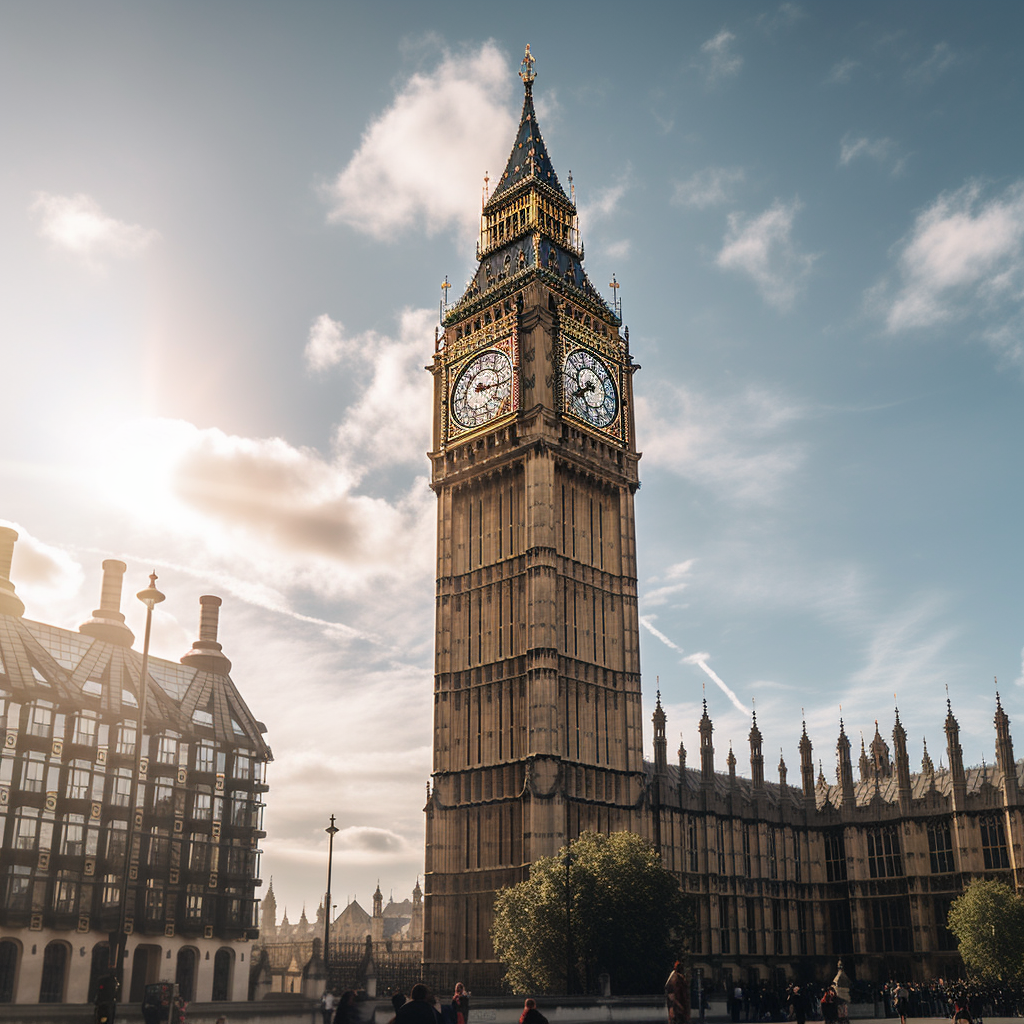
pixel 445 285
pixel 526 72
pixel 616 301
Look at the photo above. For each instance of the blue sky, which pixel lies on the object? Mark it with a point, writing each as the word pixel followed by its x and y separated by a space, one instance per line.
pixel 222 234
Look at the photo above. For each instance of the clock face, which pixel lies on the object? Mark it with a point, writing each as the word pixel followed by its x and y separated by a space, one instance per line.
pixel 589 389
pixel 483 390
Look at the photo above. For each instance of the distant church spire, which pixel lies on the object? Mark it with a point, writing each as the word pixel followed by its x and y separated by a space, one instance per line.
pixel 806 765
pixel 707 750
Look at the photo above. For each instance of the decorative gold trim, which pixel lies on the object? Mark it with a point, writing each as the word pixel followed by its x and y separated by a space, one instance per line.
pixel 502 336
pixel 616 430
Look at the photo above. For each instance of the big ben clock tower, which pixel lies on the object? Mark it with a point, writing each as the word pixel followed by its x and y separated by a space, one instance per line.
pixel 537 732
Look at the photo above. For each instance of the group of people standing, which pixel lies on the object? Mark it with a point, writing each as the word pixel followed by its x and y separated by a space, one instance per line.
pixel 419 1008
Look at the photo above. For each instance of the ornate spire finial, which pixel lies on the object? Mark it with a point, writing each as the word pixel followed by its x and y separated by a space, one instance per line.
pixel 526 72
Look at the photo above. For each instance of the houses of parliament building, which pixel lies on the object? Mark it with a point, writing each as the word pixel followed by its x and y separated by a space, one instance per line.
pixel 537 691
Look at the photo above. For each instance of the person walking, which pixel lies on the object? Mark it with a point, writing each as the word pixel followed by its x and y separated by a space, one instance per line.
pixel 417 1009
pixel 345 1011
pixel 830 1005
pixel 531 1015
pixel 900 998
pixel 328 1002
pixel 677 995
pixel 797 1005
pixel 460 1004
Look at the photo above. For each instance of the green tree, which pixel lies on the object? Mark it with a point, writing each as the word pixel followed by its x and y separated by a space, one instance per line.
pixel 988 922
pixel 627 917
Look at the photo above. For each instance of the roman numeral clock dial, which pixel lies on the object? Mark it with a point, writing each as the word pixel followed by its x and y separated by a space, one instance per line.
pixel 483 390
pixel 589 389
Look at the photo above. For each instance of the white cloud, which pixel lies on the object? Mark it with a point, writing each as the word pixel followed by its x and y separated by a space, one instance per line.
pixel 964 254
pixel 261 509
pixel 390 422
pixel 732 446
pixel 619 250
pixel 423 159
pixel 842 71
pixel 711 187
pixel 41 572
pixel 605 201
pixel 1019 681
pixel 78 225
pixel 719 60
pixel 668 584
pixel 936 64
pixel 905 651
pixel 850 148
pixel 328 344
pixel 785 16
pixel 763 248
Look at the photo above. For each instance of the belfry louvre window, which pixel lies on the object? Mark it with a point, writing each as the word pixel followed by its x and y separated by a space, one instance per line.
pixel 884 858
pixel 993 841
pixel 835 857
pixel 940 848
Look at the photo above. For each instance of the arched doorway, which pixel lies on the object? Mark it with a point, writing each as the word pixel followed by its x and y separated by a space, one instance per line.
pixel 223 961
pixel 185 973
pixel 145 971
pixel 9 952
pixel 55 970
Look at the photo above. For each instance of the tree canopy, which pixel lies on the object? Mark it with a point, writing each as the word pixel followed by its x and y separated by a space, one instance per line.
pixel 988 922
pixel 627 916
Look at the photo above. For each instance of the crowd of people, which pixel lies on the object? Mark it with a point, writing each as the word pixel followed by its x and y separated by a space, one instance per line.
pixel 954 999
pixel 959 1001
pixel 945 998
pixel 420 1007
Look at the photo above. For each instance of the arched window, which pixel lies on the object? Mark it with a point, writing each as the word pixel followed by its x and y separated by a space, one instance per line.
pixel 222 964
pixel 185 974
pixel 55 968
pixel 9 951
pixel 98 968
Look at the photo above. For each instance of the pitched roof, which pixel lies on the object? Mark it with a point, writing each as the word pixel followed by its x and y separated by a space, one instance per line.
pixel 529 157
pixel 39 661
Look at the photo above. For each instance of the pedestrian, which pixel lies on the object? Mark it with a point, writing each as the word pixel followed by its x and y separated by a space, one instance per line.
pixel 531 1015
pixel 830 1005
pixel 345 1011
pixel 737 1003
pixel 418 1009
pixel 797 1005
pixel 328 1004
pixel 460 1004
pixel 105 1003
pixel 677 995
pixel 899 998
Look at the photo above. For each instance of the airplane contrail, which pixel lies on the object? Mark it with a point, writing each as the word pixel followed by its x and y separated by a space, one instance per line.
pixel 700 659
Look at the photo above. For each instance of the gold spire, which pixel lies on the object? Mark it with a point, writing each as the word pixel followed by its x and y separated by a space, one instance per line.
pixel 526 72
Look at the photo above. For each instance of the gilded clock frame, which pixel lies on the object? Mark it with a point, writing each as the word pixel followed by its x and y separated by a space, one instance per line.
pixel 574 336
pixel 500 335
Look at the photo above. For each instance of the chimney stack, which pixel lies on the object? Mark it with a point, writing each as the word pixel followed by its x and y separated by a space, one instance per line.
pixel 10 603
pixel 206 652
pixel 107 622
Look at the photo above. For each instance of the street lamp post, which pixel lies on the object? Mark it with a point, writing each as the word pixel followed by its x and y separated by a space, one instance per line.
pixel 331 831
pixel 150 597
pixel 568 925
